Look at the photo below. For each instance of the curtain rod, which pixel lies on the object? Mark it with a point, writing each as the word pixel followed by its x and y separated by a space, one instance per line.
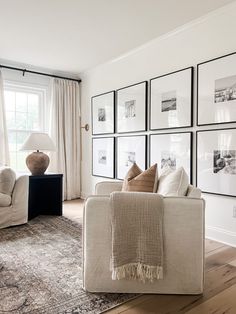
pixel 38 73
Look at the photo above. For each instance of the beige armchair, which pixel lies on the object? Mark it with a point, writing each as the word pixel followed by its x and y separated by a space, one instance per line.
pixel 13 198
pixel 183 245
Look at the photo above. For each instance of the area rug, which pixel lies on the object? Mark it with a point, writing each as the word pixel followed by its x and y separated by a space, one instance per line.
pixel 41 270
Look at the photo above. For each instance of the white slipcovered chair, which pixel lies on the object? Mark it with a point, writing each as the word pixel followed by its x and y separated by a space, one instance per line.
pixel 183 245
pixel 13 198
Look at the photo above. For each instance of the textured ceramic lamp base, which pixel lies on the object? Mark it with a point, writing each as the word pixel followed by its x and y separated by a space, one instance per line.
pixel 37 163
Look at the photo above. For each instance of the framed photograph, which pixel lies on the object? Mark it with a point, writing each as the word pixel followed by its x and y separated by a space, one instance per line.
pixel 172 150
pixel 171 100
pixel 216 161
pixel 131 108
pixel 217 91
pixel 103 113
pixel 103 157
pixel 130 149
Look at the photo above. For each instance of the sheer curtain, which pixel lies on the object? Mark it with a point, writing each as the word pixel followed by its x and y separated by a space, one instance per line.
pixel 4 149
pixel 65 131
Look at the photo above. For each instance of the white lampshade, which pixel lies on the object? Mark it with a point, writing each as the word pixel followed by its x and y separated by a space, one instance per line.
pixel 38 141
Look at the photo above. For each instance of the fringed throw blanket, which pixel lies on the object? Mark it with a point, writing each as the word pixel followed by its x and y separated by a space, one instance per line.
pixel 137 236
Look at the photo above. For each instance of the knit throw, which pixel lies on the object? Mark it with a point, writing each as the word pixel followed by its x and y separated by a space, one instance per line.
pixel 137 236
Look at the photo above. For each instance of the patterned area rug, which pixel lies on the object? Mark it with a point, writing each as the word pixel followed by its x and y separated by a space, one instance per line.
pixel 40 270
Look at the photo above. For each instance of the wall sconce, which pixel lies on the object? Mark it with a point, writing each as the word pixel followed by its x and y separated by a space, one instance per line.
pixel 86 127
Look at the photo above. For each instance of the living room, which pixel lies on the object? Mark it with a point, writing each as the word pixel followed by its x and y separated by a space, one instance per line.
pixel 89 127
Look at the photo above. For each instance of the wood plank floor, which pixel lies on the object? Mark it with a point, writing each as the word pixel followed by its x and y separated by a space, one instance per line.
pixel 219 295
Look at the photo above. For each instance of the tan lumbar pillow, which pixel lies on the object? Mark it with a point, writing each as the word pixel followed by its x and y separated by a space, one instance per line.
pixel 137 180
pixel 173 182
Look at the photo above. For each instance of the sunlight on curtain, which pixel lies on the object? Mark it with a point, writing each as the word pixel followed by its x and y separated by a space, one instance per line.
pixel 65 132
pixel 4 148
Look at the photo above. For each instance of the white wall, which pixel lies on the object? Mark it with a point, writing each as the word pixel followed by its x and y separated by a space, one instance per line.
pixel 206 38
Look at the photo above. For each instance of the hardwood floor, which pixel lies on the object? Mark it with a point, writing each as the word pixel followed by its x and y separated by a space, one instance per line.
pixel 219 295
pixel 73 209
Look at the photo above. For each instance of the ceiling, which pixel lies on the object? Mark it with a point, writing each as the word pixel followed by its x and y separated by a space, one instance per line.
pixel 76 35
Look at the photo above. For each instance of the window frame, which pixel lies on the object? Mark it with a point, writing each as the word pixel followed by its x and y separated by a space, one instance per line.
pixel 29 88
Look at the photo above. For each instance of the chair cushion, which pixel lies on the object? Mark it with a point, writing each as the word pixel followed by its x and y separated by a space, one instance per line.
pixel 7 180
pixel 137 180
pixel 5 200
pixel 173 183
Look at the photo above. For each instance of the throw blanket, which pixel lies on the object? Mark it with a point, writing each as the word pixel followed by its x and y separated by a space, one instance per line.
pixel 137 236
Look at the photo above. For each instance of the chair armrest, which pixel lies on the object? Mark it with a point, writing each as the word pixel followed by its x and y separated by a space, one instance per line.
pixel 107 187
pixel 95 218
pixel 20 200
pixel 21 190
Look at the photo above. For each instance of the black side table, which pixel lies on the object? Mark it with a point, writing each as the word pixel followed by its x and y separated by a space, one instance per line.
pixel 45 195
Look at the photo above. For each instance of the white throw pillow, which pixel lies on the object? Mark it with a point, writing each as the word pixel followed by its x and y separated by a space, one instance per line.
pixel 173 182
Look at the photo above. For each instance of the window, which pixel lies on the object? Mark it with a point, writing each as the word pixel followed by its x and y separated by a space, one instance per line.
pixel 25 109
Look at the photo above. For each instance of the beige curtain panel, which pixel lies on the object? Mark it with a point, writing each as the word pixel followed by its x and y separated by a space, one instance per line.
pixel 65 132
pixel 4 149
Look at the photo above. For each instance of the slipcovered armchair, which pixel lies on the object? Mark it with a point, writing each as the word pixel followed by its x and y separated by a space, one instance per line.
pixel 183 245
pixel 13 198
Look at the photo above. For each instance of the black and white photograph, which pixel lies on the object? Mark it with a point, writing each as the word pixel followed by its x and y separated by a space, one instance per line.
pixel 217 91
pixel 168 160
pixel 103 157
pixel 168 101
pixel 224 161
pixel 216 161
pixel 103 113
pixel 130 150
pixel 171 150
pixel 225 89
pixel 171 100
pixel 130 159
pixel 131 108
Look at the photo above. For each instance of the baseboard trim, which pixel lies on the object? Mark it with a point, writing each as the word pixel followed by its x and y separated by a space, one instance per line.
pixel 221 235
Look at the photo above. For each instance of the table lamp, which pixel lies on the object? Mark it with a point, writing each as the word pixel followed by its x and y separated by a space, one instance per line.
pixel 37 162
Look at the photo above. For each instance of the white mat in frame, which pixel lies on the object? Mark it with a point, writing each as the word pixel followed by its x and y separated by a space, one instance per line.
pixel 172 150
pixel 216 161
pixel 130 149
pixel 103 157
pixel 171 100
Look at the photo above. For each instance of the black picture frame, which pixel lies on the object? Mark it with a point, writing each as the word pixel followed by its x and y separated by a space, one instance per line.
pixel 197 163
pixel 117 152
pixel 198 67
pixel 112 176
pixel 94 133
pixel 145 107
pixel 191 149
pixel 190 124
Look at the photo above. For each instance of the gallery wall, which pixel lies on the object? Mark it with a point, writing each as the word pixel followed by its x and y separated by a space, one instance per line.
pixel 206 38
